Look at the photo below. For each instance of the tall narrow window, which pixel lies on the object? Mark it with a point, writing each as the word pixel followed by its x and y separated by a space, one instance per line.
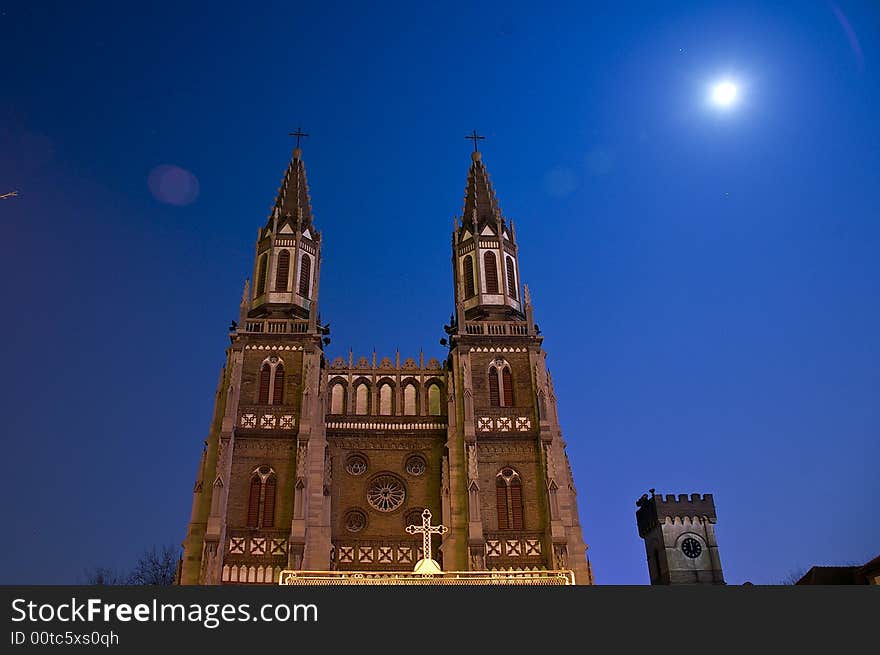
pixel 516 507
pixel 468 265
pixel 269 504
pixel 265 376
pixel 278 386
pixel 409 400
pixel 282 271
pixel 491 268
pixel 305 275
pixel 508 499
pixel 337 399
pixel 501 503
pixel 362 397
pixel 507 384
pixel 434 400
pixel 511 279
pixel 261 275
pixel 494 395
pixel 253 514
pixel 385 404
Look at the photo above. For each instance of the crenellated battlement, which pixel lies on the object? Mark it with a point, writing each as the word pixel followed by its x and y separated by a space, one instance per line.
pixel 656 508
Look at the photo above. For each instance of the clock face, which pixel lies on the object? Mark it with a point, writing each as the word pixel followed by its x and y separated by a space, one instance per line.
pixel 691 548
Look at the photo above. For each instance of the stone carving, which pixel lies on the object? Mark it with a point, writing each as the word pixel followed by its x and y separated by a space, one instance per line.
pixel 301 454
pixel 472 462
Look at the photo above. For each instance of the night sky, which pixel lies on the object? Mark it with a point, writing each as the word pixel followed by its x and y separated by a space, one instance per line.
pixel 707 279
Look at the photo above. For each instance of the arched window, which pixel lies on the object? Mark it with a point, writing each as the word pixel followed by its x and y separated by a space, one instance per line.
pixel 278 386
pixel 362 399
pixel 261 275
pixel 468 266
pixel 508 499
pixel 507 386
pixel 501 503
pixel 434 400
pixel 282 271
pixel 511 279
pixel 271 390
pixel 337 399
pixel 265 378
pixel 494 395
pixel 500 384
pixel 269 504
pixel 385 403
pixel 409 400
pixel 305 275
pixel 253 514
pixel 491 268
pixel 261 499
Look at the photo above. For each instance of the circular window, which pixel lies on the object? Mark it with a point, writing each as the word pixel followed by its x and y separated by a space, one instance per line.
pixel 415 465
pixel 691 548
pixel 356 464
pixel 412 517
pixel 355 520
pixel 386 493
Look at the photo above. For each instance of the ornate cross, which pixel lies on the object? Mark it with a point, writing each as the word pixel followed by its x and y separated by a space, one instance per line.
pixel 299 134
pixel 426 530
pixel 475 137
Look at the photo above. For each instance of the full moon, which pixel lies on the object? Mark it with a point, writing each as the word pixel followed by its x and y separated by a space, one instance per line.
pixel 724 93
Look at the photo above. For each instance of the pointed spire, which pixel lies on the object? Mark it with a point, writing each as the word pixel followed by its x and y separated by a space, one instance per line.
pixel 293 197
pixel 480 203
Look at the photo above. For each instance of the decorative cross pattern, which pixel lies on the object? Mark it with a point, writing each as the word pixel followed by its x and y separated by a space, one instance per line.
pixel 287 422
pixel 533 547
pixel 523 424
pixel 267 421
pixel 258 546
pixel 248 420
pixel 493 548
pixel 504 424
pixel 236 545
pixel 426 530
pixel 484 424
pixel 279 546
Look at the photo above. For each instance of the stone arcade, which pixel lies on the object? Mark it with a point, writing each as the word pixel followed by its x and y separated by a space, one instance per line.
pixel 318 465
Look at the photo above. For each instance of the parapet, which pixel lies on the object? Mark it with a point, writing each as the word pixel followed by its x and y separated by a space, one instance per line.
pixel 655 508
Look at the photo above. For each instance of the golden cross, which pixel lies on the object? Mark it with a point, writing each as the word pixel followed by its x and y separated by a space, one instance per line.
pixel 426 530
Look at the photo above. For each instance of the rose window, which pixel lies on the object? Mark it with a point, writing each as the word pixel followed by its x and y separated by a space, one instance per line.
pixel 415 465
pixel 355 520
pixel 356 464
pixel 386 493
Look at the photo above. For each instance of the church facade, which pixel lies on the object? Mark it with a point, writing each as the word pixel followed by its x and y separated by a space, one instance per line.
pixel 319 464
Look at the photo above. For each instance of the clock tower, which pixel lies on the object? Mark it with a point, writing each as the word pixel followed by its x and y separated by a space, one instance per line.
pixel 679 536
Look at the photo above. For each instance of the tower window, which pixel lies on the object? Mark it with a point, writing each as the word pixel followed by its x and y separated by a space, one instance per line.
pixel 491 268
pixel 507 386
pixel 265 378
pixel 494 394
pixel 282 271
pixel 511 279
pixel 305 275
pixel 468 265
pixel 271 391
pixel 261 499
pixel 278 386
pixel 261 275
pixel 500 384
pixel 508 499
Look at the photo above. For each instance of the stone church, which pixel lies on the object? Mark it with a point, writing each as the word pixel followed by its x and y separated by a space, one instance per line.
pixel 320 464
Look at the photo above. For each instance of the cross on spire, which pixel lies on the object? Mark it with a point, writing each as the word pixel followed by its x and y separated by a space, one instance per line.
pixel 426 530
pixel 475 137
pixel 299 134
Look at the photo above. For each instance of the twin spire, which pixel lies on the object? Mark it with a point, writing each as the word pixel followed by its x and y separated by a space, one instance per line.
pixel 293 200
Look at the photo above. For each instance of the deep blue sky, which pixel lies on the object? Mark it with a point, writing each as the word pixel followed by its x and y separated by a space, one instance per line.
pixel 708 283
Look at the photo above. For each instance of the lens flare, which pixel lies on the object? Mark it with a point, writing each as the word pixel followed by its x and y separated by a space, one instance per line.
pixel 724 93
